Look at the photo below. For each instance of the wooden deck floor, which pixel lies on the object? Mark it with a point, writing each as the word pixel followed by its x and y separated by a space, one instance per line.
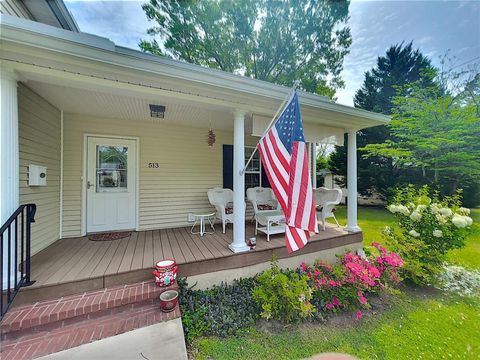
pixel 78 264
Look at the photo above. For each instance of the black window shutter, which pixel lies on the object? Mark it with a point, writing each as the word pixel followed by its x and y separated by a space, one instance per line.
pixel 228 166
pixel 228 169
pixel 265 182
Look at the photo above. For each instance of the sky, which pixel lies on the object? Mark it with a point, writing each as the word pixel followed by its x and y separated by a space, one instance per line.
pixel 434 26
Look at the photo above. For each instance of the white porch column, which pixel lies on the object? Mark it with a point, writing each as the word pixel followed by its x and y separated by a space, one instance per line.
pixel 238 244
pixel 313 159
pixel 9 156
pixel 352 225
pixel 9 185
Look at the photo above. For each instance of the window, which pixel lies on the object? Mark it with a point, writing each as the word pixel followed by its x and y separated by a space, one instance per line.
pixel 253 172
pixel 111 168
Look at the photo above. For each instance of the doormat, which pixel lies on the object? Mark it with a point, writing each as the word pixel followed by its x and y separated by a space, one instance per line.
pixel 109 236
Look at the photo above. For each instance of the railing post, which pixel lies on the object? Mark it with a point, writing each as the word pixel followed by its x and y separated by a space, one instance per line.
pixel 9 261
pixel 6 248
pixel 22 241
pixel 1 275
pixel 15 262
pixel 31 209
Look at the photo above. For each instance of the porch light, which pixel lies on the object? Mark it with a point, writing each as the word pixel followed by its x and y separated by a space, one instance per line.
pixel 157 111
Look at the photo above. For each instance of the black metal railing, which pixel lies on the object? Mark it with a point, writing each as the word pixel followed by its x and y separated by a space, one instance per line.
pixel 15 236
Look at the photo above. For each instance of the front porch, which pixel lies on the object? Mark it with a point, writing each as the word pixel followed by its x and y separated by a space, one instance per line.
pixel 77 265
pixel 67 108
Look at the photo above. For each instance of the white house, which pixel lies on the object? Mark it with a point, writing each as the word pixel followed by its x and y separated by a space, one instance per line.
pixel 69 100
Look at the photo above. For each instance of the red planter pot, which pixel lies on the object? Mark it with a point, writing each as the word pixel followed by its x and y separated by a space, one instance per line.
pixel 168 300
pixel 165 272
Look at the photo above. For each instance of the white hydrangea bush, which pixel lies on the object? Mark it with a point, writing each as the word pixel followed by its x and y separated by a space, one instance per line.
pixel 427 228
pixel 459 280
pixel 439 223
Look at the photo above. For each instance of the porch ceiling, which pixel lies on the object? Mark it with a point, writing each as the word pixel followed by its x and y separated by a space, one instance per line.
pixel 134 107
pixel 92 64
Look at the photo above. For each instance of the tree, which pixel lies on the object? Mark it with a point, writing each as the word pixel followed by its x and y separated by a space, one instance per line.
pixel 436 129
pixel 401 65
pixel 322 157
pixel 277 41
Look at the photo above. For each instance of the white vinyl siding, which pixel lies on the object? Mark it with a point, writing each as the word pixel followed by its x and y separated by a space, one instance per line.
pixel 39 144
pixel 14 8
pixel 188 167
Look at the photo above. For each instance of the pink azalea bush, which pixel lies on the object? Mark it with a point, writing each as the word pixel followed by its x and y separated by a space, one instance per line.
pixel 346 284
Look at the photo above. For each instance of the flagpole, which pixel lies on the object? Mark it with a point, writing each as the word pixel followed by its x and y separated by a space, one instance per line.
pixel 285 101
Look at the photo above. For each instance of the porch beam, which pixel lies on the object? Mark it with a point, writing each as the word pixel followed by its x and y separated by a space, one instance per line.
pixel 238 244
pixel 352 225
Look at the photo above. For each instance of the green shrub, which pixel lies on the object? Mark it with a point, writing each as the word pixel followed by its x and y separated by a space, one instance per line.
pixel 219 311
pixel 429 228
pixel 283 296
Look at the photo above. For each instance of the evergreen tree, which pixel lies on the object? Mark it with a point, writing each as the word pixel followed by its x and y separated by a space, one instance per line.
pixel 401 65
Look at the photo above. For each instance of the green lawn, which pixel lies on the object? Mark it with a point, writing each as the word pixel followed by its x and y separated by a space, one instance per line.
pixel 438 326
pixel 470 255
pixel 373 220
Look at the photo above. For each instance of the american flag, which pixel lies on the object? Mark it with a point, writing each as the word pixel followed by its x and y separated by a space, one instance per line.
pixel 285 159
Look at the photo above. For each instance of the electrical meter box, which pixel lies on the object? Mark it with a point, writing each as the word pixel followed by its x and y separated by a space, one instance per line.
pixel 37 175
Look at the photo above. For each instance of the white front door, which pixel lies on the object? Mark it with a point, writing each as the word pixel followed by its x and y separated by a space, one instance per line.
pixel 111 188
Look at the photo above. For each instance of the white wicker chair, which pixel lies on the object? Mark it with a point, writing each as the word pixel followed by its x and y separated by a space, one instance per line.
pixel 262 197
pixel 326 199
pixel 219 198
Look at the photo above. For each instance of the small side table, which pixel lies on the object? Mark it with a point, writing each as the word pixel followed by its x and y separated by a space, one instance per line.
pixel 272 221
pixel 201 219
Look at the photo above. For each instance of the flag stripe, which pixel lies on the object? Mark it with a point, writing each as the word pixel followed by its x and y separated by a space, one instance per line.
pixel 280 172
pixel 282 153
pixel 279 191
pixel 277 159
pixel 290 239
pixel 303 212
pixel 296 187
pixel 298 237
pixel 288 242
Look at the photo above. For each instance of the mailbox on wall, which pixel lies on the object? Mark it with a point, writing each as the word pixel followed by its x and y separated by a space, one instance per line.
pixel 37 175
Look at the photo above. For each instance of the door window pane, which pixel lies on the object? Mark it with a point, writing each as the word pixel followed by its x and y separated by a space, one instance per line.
pixel 112 168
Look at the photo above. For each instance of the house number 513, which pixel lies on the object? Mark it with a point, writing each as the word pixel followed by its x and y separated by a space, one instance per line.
pixel 153 165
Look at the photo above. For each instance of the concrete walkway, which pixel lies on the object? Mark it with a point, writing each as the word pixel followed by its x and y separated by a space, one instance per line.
pixel 157 342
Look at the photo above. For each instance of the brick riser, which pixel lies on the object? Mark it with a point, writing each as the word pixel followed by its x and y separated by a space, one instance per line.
pixel 83 305
pixel 47 342
pixel 42 328
pixel 33 329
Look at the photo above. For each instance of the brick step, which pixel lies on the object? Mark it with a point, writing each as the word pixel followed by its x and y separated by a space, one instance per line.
pixel 48 341
pixel 56 313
